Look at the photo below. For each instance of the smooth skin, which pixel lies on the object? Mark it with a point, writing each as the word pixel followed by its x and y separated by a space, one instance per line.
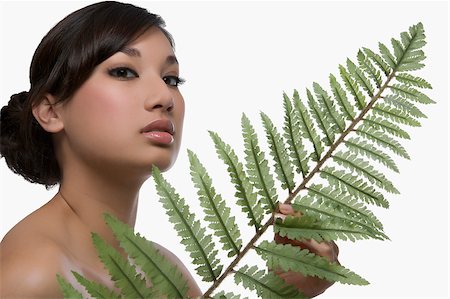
pixel 105 159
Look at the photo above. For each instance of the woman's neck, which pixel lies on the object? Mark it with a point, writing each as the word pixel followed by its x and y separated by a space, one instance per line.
pixel 90 193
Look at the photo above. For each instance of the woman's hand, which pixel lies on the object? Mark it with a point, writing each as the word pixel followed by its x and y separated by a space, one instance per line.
pixel 309 285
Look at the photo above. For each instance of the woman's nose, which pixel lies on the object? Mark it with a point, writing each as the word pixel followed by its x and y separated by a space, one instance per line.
pixel 159 97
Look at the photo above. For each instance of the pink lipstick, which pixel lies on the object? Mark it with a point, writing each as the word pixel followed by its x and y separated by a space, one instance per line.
pixel 159 131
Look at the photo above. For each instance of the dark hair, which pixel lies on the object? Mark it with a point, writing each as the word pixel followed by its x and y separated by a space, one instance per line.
pixel 63 61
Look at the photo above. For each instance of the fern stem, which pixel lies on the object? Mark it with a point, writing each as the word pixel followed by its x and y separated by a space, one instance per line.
pixel 230 268
pixel 292 194
pixel 341 139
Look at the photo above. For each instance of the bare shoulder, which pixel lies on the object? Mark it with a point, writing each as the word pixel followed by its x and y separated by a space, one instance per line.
pixel 29 263
pixel 194 290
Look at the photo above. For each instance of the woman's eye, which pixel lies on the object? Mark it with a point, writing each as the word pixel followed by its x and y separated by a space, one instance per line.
pixel 123 73
pixel 173 80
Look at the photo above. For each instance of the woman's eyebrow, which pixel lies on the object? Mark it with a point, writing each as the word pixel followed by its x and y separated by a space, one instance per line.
pixel 133 52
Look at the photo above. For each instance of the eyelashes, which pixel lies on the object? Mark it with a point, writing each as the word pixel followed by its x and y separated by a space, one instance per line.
pixel 126 73
pixel 123 73
pixel 174 80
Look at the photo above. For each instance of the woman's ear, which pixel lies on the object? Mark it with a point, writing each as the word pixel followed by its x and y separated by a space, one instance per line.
pixel 47 114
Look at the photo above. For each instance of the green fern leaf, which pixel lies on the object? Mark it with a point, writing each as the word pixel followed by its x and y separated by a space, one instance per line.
pixel 403 104
pixel 306 127
pixel 344 203
pixel 257 166
pixel 356 187
pixel 321 119
pixel 411 94
pixel 338 219
pixel 360 78
pixel 352 87
pixel 410 80
pixel 381 138
pixel 283 168
pixel 394 114
pixel 398 49
pixel 341 98
pixel 67 289
pixel 365 64
pixel 217 213
pixel 246 198
pixel 124 275
pixel 412 42
pixel 385 125
pixel 194 237
pixel 363 168
pixel 328 107
pixel 311 227
pixel 388 57
pixel 378 61
pixel 293 258
pixel 366 149
pixel 267 285
pixel 96 290
pixel 293 136
pixel 165 277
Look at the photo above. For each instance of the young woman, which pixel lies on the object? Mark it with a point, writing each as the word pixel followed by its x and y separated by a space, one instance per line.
pixel 103 107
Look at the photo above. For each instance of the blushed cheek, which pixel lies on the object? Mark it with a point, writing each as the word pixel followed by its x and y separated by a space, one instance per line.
pixel 101 112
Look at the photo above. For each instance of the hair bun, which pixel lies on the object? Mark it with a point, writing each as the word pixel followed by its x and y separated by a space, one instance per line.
pixel 10 118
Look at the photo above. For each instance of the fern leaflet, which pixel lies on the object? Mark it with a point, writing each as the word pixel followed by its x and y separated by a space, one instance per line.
pixel 194 238
pixel 217 213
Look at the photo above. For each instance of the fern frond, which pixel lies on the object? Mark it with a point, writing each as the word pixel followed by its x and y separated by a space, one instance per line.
pixel 411 94
pixel 412 41
pixel 267 285
pixel 360 78
pixel 165 277
pixel 378 60
pixel 293 137
pixel 314 225
pixel 321 119
pixel 246 198
pixel 257 166
pixel 365 64
pixel 344 203
pixel 381 138
pixel 67 289
pixel 96 290
pixel 366 149
pixel 341 98
pixel 385 125
pixel 387 55
pixel 338 219
pixel 124 275
pixel 352 87
pixel 194 237
pixel 395 115
pixel 328 107
pixel 217 213
pixel 293 258
pixel 363 168
pixel 411 80
pixel 283 168
pixel 354 186
pixel 404 105
pixel 306 127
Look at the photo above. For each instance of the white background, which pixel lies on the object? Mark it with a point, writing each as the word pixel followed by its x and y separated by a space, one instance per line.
pixel 239 57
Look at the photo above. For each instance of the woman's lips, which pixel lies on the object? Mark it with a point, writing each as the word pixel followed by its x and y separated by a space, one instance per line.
pixel 159 137
pixel 159 131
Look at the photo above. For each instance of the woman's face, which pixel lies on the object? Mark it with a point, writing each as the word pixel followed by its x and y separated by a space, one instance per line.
pixel 129 113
